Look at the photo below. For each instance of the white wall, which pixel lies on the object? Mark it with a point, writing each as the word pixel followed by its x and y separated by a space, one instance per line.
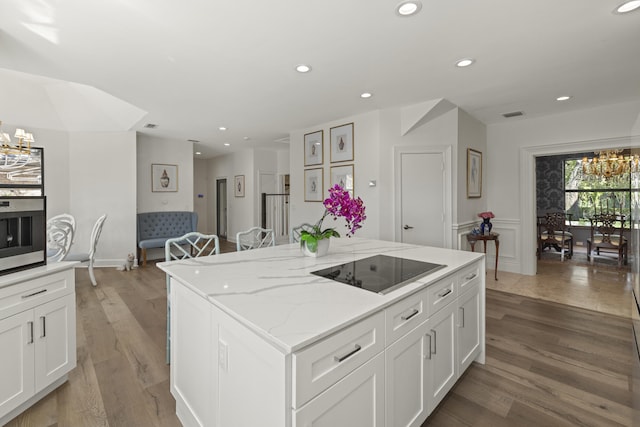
pixel 471 134
pixel 201 201
pixel 152 150
pixel 102 171
pixel 508 142
pixel 366 158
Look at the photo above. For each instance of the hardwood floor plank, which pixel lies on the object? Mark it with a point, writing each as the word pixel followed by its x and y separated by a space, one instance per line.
pixel 523 415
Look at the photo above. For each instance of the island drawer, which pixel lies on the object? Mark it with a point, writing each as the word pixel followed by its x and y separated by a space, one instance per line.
pixel 324 363
pixel 441 293
pixel 468 277
pixel 405 315
pixel 25 295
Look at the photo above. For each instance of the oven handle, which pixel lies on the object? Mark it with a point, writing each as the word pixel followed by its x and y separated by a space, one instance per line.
pixel 34 294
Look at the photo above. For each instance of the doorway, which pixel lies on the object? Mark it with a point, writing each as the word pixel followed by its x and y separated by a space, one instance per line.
pixel 422 196
pixel 221 207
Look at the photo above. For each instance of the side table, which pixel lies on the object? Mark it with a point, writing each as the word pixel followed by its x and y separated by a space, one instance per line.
pixel 473 238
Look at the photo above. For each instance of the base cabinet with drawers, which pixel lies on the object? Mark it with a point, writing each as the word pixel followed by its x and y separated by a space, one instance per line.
pixel 389 369
pixel 37 339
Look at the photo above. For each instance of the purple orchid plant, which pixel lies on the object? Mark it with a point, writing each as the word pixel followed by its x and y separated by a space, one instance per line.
pixel 338 204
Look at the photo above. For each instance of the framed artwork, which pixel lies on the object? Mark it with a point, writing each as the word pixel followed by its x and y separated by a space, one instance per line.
pixel 164 178
pixel 342 143
pixel 238 185
pixel 313 185
pixel 474 173
pixel 314 148
pixel 343 176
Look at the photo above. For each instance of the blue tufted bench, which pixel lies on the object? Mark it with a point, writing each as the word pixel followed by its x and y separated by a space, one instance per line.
pixel 154 228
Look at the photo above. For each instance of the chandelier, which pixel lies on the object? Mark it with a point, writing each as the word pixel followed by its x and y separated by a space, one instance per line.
pixel 610 163
pixel 15 155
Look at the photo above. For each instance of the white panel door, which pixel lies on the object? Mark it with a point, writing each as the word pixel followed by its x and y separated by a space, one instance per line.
pixel 422 213
pixel 55 340
pixel 443 364
pixel 16 360
pixel 468 327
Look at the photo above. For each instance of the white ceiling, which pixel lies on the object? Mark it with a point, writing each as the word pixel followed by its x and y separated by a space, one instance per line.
pixel 195 65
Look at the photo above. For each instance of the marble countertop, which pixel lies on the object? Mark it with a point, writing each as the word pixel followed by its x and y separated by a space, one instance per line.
pixel 32 273
pixel 272 292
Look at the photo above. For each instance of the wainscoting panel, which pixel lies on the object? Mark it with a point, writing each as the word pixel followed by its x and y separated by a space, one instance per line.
pixel 509 230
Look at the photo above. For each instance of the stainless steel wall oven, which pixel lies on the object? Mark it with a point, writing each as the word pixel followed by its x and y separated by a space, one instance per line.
pixel 22 233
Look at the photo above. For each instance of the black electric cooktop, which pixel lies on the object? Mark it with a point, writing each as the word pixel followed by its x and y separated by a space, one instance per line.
pixel 379 273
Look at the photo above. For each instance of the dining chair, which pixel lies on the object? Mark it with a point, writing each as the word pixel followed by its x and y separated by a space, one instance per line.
pixel 89 257
pixel 607 234
pixel 553 231
pixel 60 232
pixel 190 245
pixel 254 238
pixel 294 236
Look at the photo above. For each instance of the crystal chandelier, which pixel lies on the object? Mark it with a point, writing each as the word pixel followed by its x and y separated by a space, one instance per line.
pixel 610 163
pixel 15 155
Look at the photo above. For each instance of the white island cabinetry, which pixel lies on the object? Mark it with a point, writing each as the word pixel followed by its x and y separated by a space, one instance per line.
pixel 258 340
pixel 37 335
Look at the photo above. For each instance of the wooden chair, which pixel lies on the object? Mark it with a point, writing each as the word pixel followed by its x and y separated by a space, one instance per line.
pixel 254 238
pixel 607 235
pixel 89 256
pixel 60 232
pixel 294 236
pixel 191 245
pixel 554 232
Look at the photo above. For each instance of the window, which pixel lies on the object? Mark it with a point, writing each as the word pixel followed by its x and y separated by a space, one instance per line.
pixel 587 195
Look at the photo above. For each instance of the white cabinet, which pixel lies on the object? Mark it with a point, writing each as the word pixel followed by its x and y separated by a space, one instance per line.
pixel 443 367
pixel 37 339
pixel 469 325
pixel 355 401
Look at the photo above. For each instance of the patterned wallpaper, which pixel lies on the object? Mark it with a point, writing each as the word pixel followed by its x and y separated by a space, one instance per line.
pixel 550 182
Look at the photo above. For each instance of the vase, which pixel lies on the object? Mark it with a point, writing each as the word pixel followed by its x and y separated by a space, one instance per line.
pixel 321 249
pixel 486 226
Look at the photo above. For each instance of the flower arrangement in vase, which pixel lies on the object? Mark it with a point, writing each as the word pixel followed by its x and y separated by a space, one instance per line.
pixel 339 204
pixel 486 226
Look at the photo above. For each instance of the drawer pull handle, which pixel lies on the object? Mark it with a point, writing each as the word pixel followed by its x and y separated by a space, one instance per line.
pixel 413 313
pixel 427 354
pixel 34 294
pixel 434 341
pixel 445 293
pixel 30 323
pixel 44 326
pixel 351 353
pixel 471 276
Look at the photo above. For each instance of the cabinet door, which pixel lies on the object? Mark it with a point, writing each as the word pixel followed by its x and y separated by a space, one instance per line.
pixel 16 360
pixel 443 364
pixel 406 402
pixel 468 328
pixel 357 400
pixel 55 338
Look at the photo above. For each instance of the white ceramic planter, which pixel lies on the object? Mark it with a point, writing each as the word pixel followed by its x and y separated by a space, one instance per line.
pixel 322 249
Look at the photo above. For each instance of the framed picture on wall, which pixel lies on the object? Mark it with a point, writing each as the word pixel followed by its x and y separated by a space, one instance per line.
pixel 313 185
pixel 474 173
pixel 164 178
pixel 343 176
pixel 314 148
pixel 342 143
pixel 238 185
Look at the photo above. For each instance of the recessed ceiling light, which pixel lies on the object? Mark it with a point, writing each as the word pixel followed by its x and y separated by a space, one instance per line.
pixel 302 68
pixel 222 128
pixel 198 153
pixel 226 144
pixel 465 62
pixel 408 8
pixel 628 6
pixel 366 95
pixel 563 98
pixel 246 138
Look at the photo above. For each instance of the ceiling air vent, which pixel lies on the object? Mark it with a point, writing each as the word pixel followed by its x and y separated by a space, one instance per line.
pixel 513 114
pixel 192 140
pixel 151 125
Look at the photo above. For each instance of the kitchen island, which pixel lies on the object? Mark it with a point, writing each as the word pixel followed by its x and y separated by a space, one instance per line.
pixel 259 340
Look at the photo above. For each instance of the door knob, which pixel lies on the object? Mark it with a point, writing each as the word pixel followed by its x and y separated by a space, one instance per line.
pixel 407 227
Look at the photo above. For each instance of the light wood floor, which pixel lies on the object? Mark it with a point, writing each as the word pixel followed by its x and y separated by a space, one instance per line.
pixel 547 364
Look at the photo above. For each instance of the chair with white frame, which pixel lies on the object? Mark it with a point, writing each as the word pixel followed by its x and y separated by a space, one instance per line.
pixel 254 238
pixel 294 236
pixel 89 257
pixel 60 232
